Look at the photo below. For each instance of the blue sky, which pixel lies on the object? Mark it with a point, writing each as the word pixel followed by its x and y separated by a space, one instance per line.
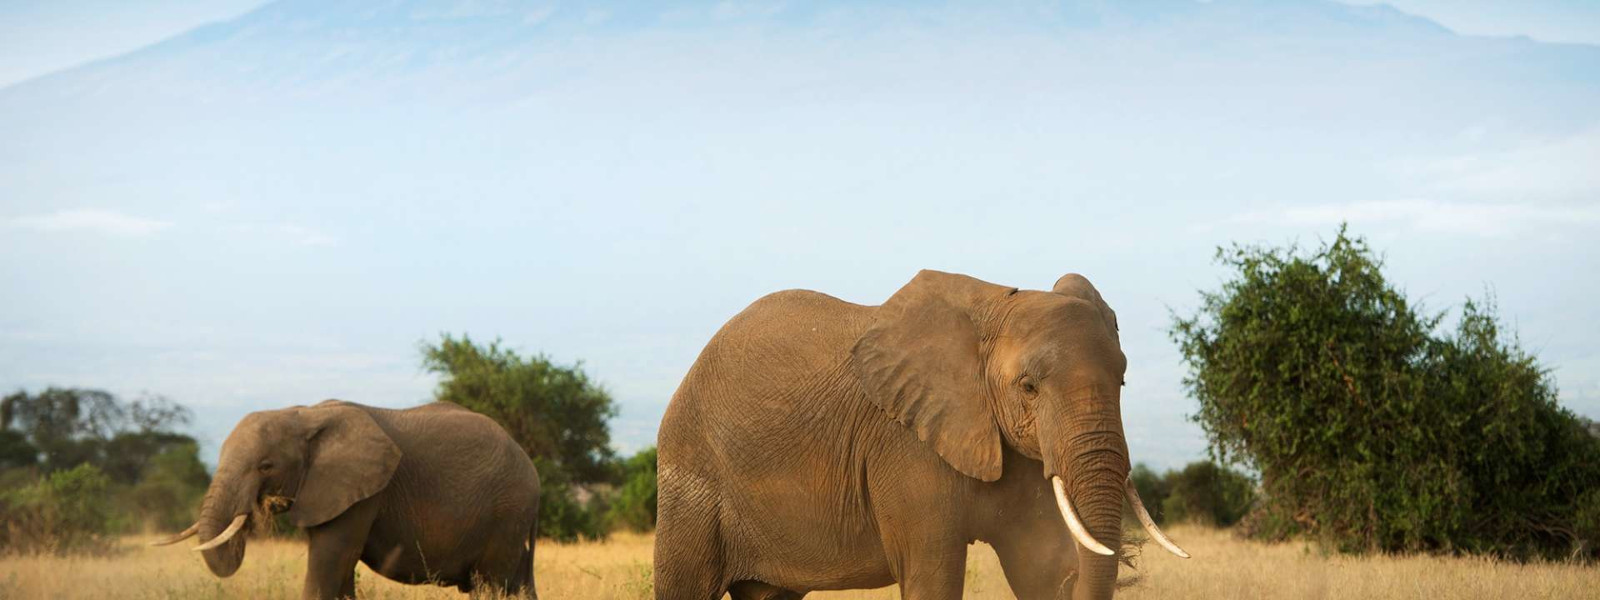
pixel 278 209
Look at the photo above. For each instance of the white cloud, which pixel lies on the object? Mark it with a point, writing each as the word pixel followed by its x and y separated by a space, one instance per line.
pixel 1559 170
pixel 92 220
pixel 298 235
pixel 305 236
pixel 1473 218
pixel 1529 187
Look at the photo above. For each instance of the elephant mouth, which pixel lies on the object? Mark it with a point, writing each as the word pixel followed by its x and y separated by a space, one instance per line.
pixel 270 505
pixel 274 504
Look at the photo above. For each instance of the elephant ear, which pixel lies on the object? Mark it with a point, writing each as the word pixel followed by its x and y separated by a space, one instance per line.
pixel 1074 285
pixel 919 361
pixel 348 459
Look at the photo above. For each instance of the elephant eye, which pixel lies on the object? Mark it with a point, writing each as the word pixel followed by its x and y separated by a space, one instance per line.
pixel 265 466
pixel 1028 386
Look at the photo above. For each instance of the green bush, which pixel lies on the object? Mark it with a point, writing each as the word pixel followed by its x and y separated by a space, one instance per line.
pixel 1208 494
pixel 1372 429
pixel 1153 490
pixel 1202 493
pixel 562 517
pixel 167 495
pixel 66 511
pixel 634 507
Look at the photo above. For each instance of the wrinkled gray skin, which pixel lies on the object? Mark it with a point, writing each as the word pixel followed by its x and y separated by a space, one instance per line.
pixel 818 444
pixel 435 494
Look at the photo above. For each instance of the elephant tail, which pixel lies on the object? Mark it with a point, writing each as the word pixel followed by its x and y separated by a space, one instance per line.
pixel 527 559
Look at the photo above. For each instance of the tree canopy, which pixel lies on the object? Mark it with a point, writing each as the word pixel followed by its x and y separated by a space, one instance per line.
pixel 61 428
pixel 556 412
pixel 1372 426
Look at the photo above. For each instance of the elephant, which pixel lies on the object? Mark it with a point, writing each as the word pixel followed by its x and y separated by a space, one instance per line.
pixel 431 494
pixel 817 444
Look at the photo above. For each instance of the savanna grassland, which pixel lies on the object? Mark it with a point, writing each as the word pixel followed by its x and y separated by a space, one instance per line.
pixel 619 569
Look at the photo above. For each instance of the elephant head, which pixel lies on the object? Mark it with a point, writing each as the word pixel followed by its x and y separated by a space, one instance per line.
pixel 970 365
pixel 313 462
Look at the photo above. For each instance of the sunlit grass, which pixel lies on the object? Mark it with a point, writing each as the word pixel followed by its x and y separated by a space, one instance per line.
pixel 1223 567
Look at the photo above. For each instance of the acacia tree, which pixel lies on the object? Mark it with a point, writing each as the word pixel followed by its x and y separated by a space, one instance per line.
pixel 66 427
pixel 1370 427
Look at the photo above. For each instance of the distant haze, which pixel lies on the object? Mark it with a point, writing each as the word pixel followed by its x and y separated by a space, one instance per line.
pixel 277 208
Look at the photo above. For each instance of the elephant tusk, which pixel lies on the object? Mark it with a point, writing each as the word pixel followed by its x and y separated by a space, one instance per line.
pixel 1073 524
pixel 227 534
pixel 181 536
pixel 1150 524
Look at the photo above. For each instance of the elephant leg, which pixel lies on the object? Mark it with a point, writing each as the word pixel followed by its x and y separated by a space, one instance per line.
pixel 1037 553
pixel 348 588
pixel 919 526
pixel 755 590
pixel 1038 567
pixel 333 549
pixel 933 573
pixel 928 558
pixel 507 563
pixel 689 564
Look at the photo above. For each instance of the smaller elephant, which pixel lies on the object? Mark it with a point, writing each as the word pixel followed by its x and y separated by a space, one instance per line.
pixel 432 494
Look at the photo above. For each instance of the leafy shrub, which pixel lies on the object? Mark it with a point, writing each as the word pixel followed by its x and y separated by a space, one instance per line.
pixel 66 511
pixel 1370 427
pixel 1201 492
pixel 1206 493
pixel 167 495
pixel 562 517
pixel 1153 490
pixel 635 504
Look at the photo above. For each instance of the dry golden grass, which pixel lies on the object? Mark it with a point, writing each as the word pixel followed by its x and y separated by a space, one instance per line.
pixel 1223 567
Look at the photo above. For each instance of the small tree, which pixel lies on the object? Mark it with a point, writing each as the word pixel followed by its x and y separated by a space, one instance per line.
pixel 555 412
pixel 1368 428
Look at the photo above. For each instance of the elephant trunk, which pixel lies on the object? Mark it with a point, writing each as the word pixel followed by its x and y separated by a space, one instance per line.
pixel 1089 454
pixel 224 502
pixel 1098 499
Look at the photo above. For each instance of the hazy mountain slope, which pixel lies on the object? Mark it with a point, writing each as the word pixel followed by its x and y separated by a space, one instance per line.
pixel 321 184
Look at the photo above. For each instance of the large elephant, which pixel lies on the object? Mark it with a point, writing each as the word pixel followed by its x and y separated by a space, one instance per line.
pixel 433 494
pixel 818 444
